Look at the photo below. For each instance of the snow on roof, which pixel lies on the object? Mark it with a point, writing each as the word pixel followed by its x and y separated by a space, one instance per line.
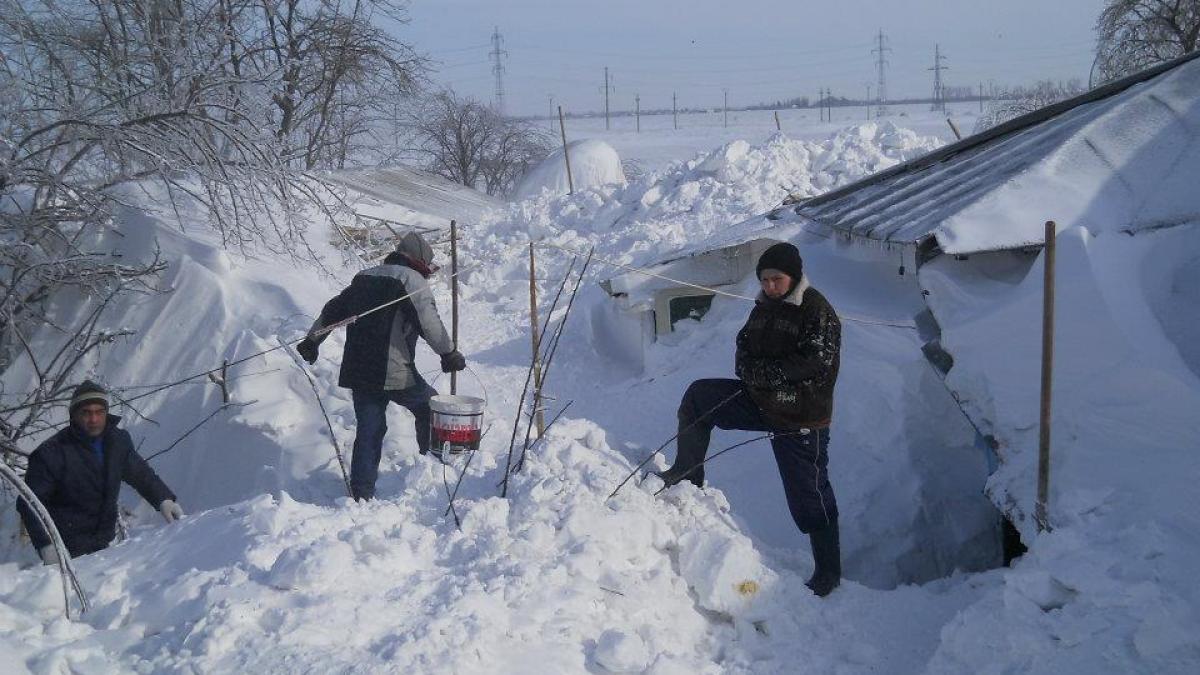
pixel 1119 158
pixel 424 194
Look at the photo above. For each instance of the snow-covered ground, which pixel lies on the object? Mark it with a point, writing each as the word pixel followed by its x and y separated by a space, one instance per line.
pixel 274 571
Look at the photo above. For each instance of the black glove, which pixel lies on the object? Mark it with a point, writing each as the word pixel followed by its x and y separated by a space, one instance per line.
pixel 308 350
pixel 453 362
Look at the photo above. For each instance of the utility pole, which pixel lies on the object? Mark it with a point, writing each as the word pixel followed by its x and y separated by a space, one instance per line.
pixel 821 102
pixel 881 49
pixel 606 88
pixel 637 103
pixel 939 94
pixel 980 97
pixel 497 54
pixel 551 97
pixel 726 107
pixel 867 101
pixel 674 111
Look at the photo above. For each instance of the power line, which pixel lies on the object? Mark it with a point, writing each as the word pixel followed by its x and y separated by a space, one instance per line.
pixel 939 89
pixel 497 55
pixel 881 49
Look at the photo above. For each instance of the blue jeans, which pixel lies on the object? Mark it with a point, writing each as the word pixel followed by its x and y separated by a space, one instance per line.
pixel 802 457
pixel 370 409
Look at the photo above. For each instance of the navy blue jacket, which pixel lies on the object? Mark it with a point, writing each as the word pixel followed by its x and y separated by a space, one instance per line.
pixel 81 493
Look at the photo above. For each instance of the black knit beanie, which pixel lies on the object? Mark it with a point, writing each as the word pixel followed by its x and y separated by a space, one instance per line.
pixel 88 392
pixel 783 257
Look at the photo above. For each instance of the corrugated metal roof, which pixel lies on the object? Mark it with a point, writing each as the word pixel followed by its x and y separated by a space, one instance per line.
pixel 907 203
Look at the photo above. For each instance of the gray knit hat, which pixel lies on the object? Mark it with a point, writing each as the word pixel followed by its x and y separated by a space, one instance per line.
pixel 88 392
pixel 416 248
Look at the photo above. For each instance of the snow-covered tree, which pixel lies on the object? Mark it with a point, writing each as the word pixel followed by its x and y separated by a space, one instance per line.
pixel 225 103
pixel 1023 100
pixel 1137 34
pixel 469 142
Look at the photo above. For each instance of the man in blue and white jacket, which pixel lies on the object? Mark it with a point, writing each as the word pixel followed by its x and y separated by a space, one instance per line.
pixel 378 360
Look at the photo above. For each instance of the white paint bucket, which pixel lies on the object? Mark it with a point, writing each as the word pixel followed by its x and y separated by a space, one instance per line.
pixel 455 423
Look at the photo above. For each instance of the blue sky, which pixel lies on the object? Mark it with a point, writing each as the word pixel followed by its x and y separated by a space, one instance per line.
pixel 760 50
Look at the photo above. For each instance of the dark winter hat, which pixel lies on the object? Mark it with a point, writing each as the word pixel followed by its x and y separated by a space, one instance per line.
pixel 415 248
pixel 88 392
pixel 783 257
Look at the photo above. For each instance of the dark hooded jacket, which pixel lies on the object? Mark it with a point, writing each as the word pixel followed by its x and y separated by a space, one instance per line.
pixel 381 346
pixel 788 355
pixel 80 492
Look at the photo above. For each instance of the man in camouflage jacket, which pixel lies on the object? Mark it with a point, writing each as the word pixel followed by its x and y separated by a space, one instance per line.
pixel 787 365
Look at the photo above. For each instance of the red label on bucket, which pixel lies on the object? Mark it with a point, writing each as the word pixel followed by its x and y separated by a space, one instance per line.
pixel 459 435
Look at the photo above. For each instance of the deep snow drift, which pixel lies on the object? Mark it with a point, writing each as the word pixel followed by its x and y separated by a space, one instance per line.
pixel 593 164
pixel 286 575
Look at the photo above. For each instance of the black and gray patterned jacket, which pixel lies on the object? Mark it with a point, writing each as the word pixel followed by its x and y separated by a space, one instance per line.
pixel 788 355
pixel 380 346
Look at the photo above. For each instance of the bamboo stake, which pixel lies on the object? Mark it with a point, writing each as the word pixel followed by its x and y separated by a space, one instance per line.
pixel 735 446
pixel 1043 485
pixel 667 442
pixel 512 441
pixel 337 449
pixel 554 347
pixel 535 342
pixel 454 298
pixel 562 126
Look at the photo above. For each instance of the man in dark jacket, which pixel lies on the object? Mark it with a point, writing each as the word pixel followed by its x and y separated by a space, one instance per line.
pixel 378 360
pixel 787 364
pixel 77 474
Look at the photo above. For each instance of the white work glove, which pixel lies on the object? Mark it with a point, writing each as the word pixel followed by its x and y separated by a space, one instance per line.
pixel 48 554
pixel 170 511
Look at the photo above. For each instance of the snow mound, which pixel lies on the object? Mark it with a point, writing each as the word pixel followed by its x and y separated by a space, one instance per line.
pixel 272 583
pixel 692 201
pixel 727 574
pixel 621 652
pixel 593 163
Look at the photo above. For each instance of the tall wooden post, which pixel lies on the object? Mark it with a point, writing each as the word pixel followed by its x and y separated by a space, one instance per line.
pixel 1043 484
pixel 539 416
pixel 777 127
pixel 562 126
pixel 454 297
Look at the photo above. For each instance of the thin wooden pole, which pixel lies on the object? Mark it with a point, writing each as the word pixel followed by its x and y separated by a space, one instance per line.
pixel 954 128
pixel 777 127
pixel 562 127
pixel 1043 485
pixel 539 415
pixel 454 297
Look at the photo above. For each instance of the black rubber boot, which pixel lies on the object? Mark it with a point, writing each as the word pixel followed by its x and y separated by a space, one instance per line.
pixel 827 553
pixel 692 445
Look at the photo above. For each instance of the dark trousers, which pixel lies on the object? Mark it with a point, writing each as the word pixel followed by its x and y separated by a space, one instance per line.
pixel 370 410
pixel 802 456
